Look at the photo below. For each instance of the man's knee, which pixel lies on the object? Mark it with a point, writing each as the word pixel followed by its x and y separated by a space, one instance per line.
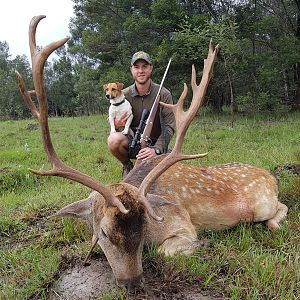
pixel 116 140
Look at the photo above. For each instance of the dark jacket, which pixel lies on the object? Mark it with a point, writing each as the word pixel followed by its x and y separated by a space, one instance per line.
pixel 164 122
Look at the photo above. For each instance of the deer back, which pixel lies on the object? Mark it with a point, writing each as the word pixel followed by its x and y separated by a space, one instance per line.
pixel 216 197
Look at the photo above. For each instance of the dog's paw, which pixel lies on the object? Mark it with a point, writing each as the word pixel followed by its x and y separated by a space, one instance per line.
pixel 113 131
pixel 125 132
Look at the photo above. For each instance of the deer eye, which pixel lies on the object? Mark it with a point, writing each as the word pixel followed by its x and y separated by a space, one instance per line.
pixel 103 233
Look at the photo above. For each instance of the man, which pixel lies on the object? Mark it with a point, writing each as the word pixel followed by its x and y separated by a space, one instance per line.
pixel 142 95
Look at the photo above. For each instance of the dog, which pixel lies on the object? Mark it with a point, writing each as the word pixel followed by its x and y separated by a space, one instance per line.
pixel 118 106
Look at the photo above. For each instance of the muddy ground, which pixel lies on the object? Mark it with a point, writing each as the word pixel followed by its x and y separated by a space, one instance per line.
pixel 78 282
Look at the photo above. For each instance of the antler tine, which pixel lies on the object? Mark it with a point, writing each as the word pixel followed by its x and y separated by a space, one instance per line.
pixel 60 169
pixel 183 120
pixel 26 95
pixel 32 34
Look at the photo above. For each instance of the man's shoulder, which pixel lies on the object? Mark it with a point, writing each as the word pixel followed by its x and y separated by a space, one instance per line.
pixel 128 89
pixel 163 90
pixel 128 92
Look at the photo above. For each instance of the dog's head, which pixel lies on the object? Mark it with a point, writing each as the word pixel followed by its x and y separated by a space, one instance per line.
pixel 113 90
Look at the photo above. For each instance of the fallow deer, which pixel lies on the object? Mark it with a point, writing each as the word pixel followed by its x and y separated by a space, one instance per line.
pixel 183 198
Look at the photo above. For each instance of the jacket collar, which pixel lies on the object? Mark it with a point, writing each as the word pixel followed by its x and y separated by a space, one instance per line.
pixel 134 92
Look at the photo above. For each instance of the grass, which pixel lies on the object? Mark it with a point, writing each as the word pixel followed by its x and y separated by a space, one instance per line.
pixel 247 262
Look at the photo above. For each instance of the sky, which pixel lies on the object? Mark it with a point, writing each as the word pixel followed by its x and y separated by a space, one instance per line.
pixel 15 16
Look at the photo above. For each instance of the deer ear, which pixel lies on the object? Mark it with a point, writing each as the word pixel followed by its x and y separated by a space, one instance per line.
pixel 81 209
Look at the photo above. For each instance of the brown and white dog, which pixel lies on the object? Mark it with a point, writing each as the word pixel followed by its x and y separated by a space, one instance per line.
pixel 118 105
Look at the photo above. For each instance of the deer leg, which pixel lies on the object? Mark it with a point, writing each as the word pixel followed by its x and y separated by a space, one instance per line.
pixel 273 223
pixel 182 243
pixel 94 242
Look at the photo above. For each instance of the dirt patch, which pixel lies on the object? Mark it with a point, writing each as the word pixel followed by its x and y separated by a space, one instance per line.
pixel 32 126
pixel 78 282
pixel 291 169
pixel 30 227
pixel 4 170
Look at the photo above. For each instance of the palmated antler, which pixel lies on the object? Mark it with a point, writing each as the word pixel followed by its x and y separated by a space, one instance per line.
pixel 183 120
pixel 60 169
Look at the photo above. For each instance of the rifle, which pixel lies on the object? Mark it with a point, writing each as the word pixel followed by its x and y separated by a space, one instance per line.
pixel 141 141
pixel 135 145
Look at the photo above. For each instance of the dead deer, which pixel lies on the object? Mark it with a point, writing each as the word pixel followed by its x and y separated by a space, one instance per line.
pixel 183 198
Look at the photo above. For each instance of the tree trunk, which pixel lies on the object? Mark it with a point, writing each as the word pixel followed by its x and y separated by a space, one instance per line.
pixel 286 86
pixel 296 100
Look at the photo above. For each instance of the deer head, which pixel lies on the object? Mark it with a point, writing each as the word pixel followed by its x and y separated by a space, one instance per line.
pixel 118 213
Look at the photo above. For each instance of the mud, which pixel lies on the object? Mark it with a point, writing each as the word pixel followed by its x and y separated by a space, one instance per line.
pixel 81 282
pixel 91 282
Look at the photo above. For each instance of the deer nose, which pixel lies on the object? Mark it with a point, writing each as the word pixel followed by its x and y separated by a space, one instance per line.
pixel 132 284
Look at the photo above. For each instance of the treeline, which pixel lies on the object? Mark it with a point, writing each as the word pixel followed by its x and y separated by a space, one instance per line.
pixel 258 67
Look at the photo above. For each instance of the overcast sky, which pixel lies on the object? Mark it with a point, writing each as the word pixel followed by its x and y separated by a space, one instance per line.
pixel 15 16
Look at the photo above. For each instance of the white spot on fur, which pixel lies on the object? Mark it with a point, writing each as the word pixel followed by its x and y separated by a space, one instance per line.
pixel 251 184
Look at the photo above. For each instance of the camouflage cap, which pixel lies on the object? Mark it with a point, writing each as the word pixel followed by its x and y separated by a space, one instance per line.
pixel 141 55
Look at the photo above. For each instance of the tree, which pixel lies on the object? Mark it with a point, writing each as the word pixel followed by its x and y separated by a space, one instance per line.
pixel 272 28
pixel 11 103
pixel 60 85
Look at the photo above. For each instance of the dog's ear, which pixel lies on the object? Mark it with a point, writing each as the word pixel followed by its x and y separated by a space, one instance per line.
pixel 105 86
pixel 120 85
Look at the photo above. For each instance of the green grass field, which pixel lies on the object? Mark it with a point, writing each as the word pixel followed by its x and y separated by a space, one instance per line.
pixel 247 262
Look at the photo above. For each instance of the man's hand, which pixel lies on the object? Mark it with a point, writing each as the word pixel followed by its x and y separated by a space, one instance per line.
pixel 146 153
pixel 119 123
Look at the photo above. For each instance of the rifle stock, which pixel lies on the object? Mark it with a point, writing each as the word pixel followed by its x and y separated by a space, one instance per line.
pixel 135 144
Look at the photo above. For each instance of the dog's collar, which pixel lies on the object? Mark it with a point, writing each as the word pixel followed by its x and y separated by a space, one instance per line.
pixel 117 104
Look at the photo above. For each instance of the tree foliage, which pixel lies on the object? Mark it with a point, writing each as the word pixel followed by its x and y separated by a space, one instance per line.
pixel 258 65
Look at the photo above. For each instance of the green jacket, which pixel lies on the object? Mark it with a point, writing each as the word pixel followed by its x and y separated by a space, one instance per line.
pixel 164 122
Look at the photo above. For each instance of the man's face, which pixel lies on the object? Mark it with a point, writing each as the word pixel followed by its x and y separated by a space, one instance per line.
pixel 141 71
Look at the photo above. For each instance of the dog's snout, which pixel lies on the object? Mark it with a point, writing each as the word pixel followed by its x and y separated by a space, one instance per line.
pixel 108 96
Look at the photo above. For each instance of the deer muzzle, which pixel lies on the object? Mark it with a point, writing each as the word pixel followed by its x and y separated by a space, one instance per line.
pixel 132 284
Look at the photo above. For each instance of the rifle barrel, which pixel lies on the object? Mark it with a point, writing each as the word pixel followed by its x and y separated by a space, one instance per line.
pixel 149 123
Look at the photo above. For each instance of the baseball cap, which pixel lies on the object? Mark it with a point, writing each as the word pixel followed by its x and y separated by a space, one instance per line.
pixel 141 55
